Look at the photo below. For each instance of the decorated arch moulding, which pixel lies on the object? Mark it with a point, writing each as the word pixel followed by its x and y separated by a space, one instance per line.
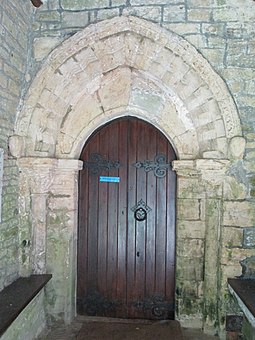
pixel 126 66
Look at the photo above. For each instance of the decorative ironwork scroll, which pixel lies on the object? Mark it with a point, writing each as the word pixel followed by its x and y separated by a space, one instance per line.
pixel 156 304
pixel 96 164
pixel 140 210
pixel 95 304
pixel 158 166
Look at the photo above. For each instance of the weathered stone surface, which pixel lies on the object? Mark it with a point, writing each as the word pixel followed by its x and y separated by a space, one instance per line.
pixel 15 47
pixel 249 237
pixel 237 147
pixel 42 46
pixel 190 269
pixel 77 5
pixel 248 267
pixel 233 256
pixel 240 214
pixel 189 209
pixel 191 248
pixel 146 12
pixel 77 19
pixel 191 229
pixel 174 13
pixel 30 323
pixel 177 91
pixel 232 237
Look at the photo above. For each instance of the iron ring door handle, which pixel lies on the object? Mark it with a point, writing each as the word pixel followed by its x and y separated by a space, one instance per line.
pixel 140 214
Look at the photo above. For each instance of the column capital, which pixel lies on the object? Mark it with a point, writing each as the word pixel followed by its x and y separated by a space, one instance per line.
pixel 42 164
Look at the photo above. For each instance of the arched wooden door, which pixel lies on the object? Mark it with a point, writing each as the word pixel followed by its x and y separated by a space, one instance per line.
pixel 126 239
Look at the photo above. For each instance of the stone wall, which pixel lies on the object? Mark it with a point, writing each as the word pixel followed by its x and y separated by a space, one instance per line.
pixel 15 26
pixel 223 32
pixel 29 323
pixel 216 215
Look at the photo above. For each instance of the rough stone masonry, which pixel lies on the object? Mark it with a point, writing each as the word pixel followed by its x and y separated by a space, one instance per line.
pixel 65 57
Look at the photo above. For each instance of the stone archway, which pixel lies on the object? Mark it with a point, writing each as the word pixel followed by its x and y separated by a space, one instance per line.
pixel 126 65
pixel 122 66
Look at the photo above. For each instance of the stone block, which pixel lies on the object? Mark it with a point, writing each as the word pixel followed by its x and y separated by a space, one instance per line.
pixel 200 3
pixel 190 188
pixel 3 80
pixel 230 271
pixel 43 46
pixel 150 102
pixel 215 55
pixel 197 40
pixel 213 29
pixel 190 269
pixel 233 189
pixel 110 54
pixel 232 237
pixel 190 229
pixel 152 2
pixel 189 209
pixel 174 13
pixel 183 28
pixel 119 2
pixel 249 237
pixel 190 248
pixel 233 256
pixel 147 12
pixel 76 19
pixel 115 89
pixel 248 268
pixel 51 16
pixel 199 15
pixel 237 147
pixel 239 214
pixel 76 5
pixel 107 13
pixel 52 4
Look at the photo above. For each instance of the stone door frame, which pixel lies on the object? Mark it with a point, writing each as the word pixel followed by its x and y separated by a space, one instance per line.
pixel 94 77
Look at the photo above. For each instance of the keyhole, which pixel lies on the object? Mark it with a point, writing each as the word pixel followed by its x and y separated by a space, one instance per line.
pixel 138 254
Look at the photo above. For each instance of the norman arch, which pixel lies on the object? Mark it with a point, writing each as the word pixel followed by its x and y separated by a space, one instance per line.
pixel 123 66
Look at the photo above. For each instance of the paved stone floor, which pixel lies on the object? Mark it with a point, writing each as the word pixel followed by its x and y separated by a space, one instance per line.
pixel 117 329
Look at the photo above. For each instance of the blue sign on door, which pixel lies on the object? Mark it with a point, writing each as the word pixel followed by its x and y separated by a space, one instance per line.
pixel 109 179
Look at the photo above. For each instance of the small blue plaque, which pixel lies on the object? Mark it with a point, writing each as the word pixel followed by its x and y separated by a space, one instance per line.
pixel 109 179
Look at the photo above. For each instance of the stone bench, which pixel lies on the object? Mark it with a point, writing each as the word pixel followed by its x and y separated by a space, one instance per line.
pixel 15 297
pixel 244 292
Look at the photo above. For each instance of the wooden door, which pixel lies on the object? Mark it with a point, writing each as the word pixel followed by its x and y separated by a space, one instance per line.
pixel 126 239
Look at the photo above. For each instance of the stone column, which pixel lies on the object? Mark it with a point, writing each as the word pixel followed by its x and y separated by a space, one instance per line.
pixel 62 223
pixel 213 173
pixel 36 177
pixel 49 206
pixel 199 202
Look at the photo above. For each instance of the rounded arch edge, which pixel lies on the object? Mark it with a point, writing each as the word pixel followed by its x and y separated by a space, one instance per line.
pixel 24 141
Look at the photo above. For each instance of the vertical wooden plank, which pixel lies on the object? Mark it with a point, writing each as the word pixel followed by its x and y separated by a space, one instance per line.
pixel 131 227
pixel 151 219
pixel 103 218
pixel 141 194
pixel 122 221
pixel 160 224
pixel 113 188
pixel 171 235
pixel 92 221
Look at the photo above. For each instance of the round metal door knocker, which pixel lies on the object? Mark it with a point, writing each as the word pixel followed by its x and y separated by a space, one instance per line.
pixel 140 214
